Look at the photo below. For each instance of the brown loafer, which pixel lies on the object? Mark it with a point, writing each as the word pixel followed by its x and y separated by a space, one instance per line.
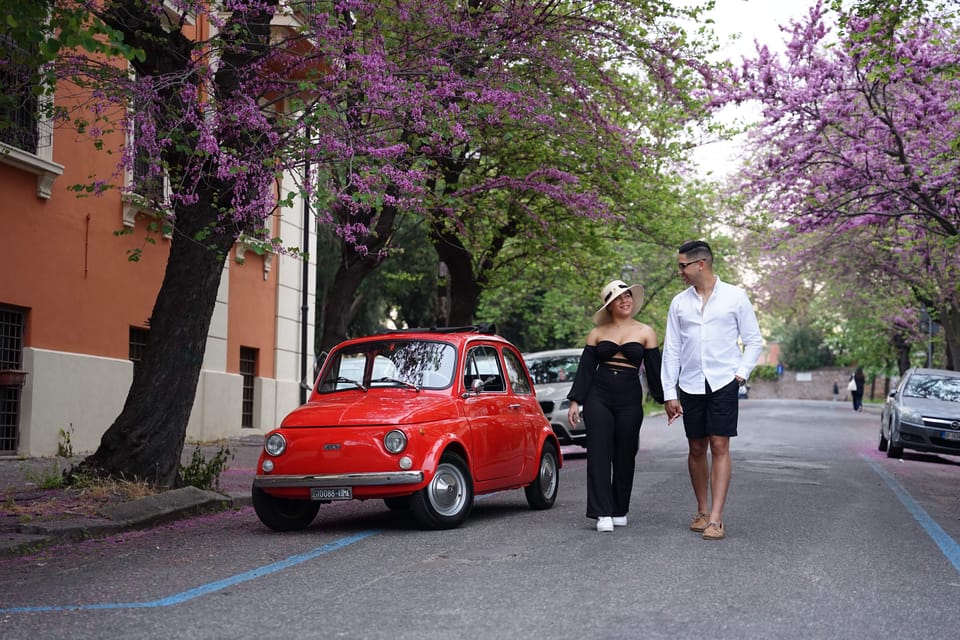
pixel 714 531
pixel 700 522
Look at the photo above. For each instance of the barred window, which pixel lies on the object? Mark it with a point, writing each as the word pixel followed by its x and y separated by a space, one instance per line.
pixel 138 342
pixel 19 102
pixel 248 369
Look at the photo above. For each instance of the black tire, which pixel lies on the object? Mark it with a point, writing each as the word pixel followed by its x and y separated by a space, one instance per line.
pixel 401 503
pixel 542 492
pixel 446 501
pixel 283 514
pixel 894 451
pixel 883 440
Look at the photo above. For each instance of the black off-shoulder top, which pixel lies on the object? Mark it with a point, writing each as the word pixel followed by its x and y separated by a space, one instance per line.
pixel 605 352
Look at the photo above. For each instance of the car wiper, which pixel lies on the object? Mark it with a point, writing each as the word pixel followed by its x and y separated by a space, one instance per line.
pixel 398 381
pixel 340 379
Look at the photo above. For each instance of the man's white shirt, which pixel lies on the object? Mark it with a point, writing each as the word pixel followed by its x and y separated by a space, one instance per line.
pixel 702 341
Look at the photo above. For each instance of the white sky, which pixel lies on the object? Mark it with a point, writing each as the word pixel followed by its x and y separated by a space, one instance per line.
pixel 752 20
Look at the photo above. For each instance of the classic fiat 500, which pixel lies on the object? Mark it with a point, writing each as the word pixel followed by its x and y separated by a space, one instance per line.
pixel 423 419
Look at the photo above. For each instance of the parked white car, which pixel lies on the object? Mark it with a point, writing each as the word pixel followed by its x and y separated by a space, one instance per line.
pixel 552 373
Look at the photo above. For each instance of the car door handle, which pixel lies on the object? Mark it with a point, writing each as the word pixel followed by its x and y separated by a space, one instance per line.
pixel 514 407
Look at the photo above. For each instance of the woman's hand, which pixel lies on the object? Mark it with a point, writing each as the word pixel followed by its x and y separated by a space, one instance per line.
pixel 573 414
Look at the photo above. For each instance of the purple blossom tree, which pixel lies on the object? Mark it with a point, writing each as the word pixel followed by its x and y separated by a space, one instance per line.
pixel 383 110
pixel 858 139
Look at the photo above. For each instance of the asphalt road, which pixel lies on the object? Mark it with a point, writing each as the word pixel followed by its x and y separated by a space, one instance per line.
pixel 826 538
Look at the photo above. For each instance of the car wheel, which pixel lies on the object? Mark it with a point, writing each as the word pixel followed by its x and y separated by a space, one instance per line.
pixel 883 440
pixel 542 492
pixel 283 514
pixel 401 503
pixel 893 450
pixel 446 501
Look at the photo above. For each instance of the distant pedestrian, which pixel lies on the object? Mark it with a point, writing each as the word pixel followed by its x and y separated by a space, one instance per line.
pixel 836 390
pixel 856 391
pixel 703 369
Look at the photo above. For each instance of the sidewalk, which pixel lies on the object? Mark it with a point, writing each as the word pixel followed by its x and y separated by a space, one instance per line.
pixel 33 517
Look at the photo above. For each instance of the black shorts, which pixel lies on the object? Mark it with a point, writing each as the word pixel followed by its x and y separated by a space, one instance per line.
pixel 712 414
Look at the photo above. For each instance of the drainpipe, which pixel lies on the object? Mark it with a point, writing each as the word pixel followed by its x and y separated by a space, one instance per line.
pixel 305 285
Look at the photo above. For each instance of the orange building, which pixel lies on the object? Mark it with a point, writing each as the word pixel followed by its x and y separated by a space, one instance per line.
pixel 74 311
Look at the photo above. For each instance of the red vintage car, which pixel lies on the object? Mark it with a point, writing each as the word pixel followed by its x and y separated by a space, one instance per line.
pixel 424 419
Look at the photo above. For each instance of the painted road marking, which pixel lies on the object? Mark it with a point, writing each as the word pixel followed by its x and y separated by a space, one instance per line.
pixel 947 545
pixel 208 588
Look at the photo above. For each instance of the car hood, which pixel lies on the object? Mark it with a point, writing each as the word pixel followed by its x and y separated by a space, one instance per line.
pixel 393 407
pixel 932 407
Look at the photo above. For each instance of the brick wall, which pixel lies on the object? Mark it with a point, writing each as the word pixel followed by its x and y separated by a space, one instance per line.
pixel 815 385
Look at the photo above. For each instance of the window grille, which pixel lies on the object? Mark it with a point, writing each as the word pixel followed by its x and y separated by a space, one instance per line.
pixel 248 369
pixel 138 342
pixel 11 358
pixel 19 104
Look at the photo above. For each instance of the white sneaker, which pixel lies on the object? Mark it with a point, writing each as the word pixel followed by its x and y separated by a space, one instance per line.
pixel 604 523
pixel 619 521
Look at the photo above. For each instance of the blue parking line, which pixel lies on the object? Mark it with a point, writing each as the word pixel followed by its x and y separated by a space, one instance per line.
pixel 947 545
pixel 208 588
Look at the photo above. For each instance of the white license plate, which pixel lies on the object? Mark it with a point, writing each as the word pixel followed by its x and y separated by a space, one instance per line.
pixel 950 435
pixel 331 493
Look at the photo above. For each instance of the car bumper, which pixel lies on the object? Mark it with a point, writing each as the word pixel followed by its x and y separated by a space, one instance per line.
pixel 923 438
pixel 380 479
pixel 569 436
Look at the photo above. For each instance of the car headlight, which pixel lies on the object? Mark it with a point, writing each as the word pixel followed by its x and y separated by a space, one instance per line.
pixel 911 415
pixel 395 441
pixel 275 444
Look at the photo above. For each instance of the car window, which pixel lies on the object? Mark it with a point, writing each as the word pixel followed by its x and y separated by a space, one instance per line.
pixel 419 364
pixel 922 385
pixel 483 364
pixel 518 379
pixel 553 369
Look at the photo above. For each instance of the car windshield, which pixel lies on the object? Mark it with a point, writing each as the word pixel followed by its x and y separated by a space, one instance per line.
pixel 553 369
pixel 416 364
pixel 924 385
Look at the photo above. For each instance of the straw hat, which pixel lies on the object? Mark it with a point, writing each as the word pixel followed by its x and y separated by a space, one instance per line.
pixel 611 292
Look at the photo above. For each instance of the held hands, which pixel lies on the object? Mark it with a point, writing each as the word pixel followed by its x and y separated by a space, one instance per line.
pixel 673 409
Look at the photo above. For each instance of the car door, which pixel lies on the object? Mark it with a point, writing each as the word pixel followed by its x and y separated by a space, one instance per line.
pixel 494 415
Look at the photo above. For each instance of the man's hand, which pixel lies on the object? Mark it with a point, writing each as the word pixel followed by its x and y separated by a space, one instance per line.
pixel 674 410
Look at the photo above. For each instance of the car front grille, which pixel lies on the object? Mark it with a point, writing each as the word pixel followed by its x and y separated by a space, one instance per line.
pixel 546 405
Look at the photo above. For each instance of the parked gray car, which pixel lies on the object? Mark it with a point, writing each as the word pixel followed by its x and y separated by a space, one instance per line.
pixel 552 373
pixel 922 413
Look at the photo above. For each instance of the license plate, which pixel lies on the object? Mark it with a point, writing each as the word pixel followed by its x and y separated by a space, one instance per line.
pixel 950 435
pixel 331 493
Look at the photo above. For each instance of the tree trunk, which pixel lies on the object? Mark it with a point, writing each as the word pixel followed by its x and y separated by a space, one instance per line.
pixel 950 323
pixel 463 288
pixel 146 440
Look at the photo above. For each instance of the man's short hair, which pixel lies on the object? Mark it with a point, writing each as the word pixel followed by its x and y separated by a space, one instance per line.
pixel 697 249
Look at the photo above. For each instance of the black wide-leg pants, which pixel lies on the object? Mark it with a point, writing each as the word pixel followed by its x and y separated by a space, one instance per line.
pixel 612 414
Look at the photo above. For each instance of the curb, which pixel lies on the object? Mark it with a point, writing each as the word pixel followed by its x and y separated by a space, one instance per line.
pixel 136 514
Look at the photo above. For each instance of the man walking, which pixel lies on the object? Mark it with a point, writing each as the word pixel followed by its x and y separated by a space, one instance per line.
pixel 702 369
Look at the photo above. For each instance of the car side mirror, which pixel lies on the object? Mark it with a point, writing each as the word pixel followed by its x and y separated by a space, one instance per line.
pixel 477 385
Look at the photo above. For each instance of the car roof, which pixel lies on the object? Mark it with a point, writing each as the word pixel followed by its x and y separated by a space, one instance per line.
pixel 553 353
pixel 456 335
pixel 946 373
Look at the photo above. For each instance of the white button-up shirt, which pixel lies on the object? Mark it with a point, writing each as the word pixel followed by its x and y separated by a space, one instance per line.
pixel 702 340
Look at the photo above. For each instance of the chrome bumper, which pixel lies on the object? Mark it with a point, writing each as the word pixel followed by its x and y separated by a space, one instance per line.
pixel 340 479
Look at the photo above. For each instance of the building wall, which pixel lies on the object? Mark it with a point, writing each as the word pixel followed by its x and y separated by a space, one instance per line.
pixel 65 266
pixel 815 385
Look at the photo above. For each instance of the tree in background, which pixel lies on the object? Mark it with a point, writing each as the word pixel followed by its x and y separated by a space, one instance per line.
pixel 857 140
pixel 379 110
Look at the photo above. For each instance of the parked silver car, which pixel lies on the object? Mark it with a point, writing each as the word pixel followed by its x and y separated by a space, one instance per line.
pixel 552 373
pixel 922 413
